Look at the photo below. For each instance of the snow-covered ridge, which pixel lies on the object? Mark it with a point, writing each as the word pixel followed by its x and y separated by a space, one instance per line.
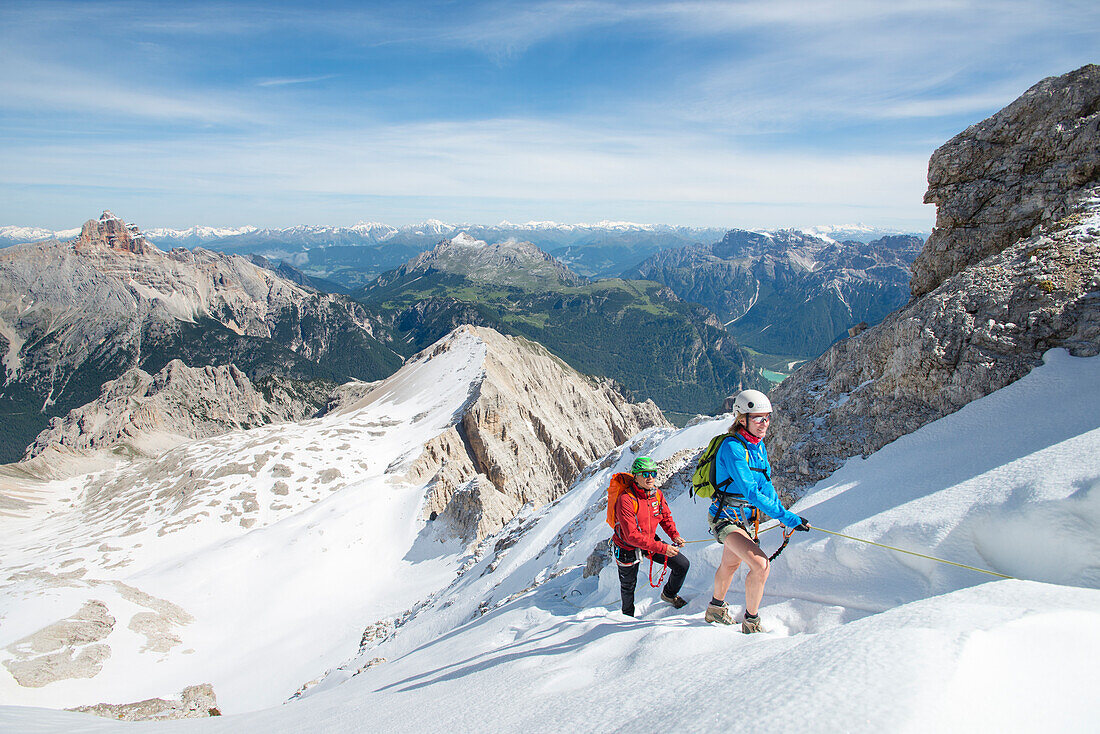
pixel 16 233
pixel 198 232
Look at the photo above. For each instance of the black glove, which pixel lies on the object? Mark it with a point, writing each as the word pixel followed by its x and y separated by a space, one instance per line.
pixel 803 526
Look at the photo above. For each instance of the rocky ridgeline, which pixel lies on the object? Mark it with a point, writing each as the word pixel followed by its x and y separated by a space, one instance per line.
pixel 195 702
pixel 1000 180
pixel 148 414
pixel 530 427
pixel 986 319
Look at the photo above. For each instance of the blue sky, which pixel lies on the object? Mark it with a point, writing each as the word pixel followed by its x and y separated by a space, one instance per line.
pixel 733 114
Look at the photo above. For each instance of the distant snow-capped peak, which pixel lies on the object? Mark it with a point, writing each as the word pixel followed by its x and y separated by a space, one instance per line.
pixel 465 240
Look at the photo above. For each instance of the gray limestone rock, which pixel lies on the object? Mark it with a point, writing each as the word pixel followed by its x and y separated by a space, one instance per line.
pixel 529 428
pixel 477 510
pixel 999 180
pixel 74 315
pixel 148 414
pixel 68 648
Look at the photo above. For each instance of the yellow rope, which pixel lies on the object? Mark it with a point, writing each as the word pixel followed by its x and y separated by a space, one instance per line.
pixel 920 555
pixel 880 545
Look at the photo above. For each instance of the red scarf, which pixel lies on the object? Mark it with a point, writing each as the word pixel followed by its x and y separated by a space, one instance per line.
pixel 748 436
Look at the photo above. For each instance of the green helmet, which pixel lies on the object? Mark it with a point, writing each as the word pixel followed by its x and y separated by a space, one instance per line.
pixel 643 463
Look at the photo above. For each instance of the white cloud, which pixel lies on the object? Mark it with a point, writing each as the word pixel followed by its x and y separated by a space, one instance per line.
pixel 294 80
pixel 31 85
pixel 505 159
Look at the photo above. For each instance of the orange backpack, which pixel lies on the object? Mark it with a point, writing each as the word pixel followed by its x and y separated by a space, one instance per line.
pixel 620 482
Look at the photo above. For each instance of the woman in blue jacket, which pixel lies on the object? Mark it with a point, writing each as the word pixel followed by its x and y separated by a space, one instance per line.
pixel 743 475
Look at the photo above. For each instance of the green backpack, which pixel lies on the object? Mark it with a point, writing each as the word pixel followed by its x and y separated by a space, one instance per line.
pixel 703 483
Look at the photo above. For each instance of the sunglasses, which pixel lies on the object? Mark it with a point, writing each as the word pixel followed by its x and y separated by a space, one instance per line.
pixel 760 419
pixel 648 474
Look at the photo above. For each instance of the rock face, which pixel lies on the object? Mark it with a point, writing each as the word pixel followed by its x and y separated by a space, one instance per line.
pixel 1000 180
pixel 148 414
pixel 69 648
pixel 531 425
pixel 984 326
pixel 76 315
pixel 789 292
pixel 111 233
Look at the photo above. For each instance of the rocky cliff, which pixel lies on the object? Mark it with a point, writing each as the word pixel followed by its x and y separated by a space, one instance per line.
pixel 532 423
pixel 1002 179
pixel 992 296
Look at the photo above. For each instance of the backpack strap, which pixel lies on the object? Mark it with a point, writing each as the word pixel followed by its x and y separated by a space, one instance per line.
pixel 752 468
pixel 638 507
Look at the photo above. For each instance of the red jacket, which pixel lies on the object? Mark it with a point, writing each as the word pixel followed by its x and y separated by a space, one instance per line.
pixel 637 528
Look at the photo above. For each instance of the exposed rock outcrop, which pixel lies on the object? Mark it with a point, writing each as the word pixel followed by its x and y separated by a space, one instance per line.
pixel 195 702
pixel 478 509
pixel 112 233
pixel 531 425
pixel 148 414
pixel 990 319
pixel 69 648
pixel 1000 180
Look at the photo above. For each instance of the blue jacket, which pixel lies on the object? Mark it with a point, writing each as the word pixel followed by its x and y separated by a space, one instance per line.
pixel 754 486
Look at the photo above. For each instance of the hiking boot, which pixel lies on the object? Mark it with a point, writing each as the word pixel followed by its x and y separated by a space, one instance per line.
pixel 751 624
pixel 677 601
pixel 718 614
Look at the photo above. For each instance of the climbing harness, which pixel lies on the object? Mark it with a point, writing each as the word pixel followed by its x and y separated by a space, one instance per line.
pixel 622 556
pixel 752 527
pixel 631 557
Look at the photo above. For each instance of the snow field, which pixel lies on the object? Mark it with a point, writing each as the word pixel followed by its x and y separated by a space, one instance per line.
pixel 269 605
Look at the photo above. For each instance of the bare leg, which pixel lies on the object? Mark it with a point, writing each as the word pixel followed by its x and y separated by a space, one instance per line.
pixel 723 575
pixel 737 548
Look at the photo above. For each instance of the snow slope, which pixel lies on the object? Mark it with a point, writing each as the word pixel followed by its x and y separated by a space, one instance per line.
pixel 862 638
pixel 262 550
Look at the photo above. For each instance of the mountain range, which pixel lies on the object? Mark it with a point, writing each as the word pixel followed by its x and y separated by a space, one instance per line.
pixel 352 256
pixel 638 333
pixel 789 293
pixel 76 314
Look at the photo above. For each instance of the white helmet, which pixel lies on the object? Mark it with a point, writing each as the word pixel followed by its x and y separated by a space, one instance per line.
pixel 751 401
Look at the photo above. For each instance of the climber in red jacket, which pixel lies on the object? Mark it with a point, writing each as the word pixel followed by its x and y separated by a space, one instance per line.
pixel 639 510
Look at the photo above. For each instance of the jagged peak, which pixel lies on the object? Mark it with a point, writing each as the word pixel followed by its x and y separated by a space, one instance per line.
pixel 111 232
